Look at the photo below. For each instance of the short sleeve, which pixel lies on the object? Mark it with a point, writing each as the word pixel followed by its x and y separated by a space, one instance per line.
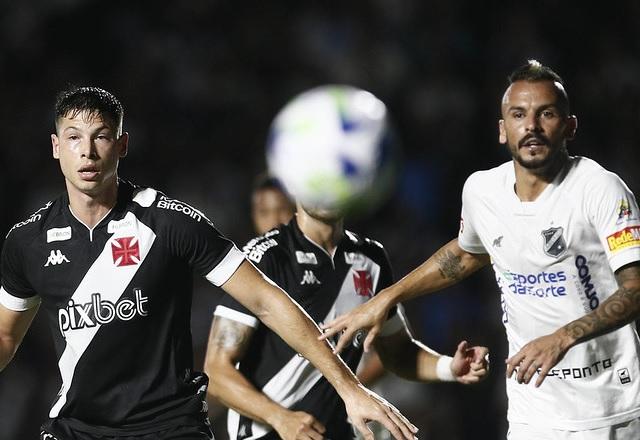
pixel 613 210
pixel 15 292
pixel 468 239
pixel 192 237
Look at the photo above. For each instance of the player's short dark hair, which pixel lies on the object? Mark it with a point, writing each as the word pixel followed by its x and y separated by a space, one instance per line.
pixel 265 181
pixel 94 100
pixel 533 71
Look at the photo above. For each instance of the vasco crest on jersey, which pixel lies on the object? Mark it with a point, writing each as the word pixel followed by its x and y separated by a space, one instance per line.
pixel 553 242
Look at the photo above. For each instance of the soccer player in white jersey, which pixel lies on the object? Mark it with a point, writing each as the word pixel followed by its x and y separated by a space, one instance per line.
pixel 111 265
pixel 563 237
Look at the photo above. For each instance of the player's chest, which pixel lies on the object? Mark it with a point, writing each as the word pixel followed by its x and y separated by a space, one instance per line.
pixel 316 279
pixel 540 232
pixel 69 261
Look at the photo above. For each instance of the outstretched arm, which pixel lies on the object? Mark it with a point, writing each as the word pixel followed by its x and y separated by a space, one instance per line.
pixel 448 266
pixel 280 313
pixel 13 327
pixel 409 358
pixel 542 354
pixel 228 342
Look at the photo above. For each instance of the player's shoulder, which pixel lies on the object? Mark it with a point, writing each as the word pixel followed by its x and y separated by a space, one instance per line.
pixel 481 180
pixel 368 246
pixel 40 220
pixel 588 173
pixel 267 245
pixel 156 203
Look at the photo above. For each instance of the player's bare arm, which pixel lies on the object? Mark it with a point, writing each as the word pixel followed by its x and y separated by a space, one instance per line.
pixel 281 314
pixel 448 266
pixel 13 327
pixel 409 358
pixel 228 343
pixel 542 354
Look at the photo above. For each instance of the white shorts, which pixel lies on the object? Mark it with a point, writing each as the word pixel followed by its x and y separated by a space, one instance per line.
pixel 623 431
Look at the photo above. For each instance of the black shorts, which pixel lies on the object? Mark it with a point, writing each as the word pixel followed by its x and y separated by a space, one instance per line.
pixel 178 433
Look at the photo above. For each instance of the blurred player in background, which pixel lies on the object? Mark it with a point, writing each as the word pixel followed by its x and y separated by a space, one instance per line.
pixel 111 264
pixel 330 144
pixel 563 236
pixel 270 204
pixel 275 392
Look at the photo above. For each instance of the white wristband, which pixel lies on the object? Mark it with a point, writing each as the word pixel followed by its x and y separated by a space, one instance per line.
pixel 443 369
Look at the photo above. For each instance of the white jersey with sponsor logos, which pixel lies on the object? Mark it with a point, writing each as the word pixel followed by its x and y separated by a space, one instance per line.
pixel 554 261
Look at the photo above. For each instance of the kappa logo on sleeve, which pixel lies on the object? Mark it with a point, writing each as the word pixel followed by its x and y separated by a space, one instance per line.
pixel 628 237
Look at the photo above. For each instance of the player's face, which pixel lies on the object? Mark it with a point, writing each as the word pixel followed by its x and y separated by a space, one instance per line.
pixel 270 208
pixel 88 148
pixel 534 124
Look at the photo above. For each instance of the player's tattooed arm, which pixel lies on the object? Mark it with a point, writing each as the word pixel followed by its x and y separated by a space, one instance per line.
pixel 454 264
pixel 231 336
pixel 618 310
pixel 449 265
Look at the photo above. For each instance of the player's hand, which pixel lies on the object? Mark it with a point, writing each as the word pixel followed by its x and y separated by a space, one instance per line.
pixel 369 316
pixel 538 356
pixel 470 364
pixel 298 425
pixel 365 406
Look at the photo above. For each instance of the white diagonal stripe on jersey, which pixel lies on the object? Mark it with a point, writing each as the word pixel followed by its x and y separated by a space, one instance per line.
pixel 298 376
pixel 348 298
pixel 110 281
pixel 287 387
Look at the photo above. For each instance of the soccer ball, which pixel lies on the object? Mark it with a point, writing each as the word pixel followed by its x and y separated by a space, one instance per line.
pixel 333 149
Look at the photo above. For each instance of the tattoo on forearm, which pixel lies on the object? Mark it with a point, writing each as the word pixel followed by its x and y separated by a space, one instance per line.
pixel 229 334
pixel 619 309
pixel 450 265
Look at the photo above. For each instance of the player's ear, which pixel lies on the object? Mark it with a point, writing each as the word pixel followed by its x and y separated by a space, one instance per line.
pixel 572 126
pixel 123 144
pixel 502 133
pixel 55 146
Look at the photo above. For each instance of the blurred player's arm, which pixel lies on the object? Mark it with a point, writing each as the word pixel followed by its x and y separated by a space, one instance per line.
pixel 228 342
pixel 449 265
pixel 542 354
pixel 13 327
pixel 409 358
pixel 285 317
pixel 371 368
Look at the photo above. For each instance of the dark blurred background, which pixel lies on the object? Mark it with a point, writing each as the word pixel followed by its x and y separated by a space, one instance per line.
pixel 201 79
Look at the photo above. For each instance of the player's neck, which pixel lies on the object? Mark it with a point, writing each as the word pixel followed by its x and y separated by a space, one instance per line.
pixel 531 183
pixel 90 208
pixel 325 233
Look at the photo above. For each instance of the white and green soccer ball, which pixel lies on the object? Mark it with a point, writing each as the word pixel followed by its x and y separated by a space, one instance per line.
pixel 332 148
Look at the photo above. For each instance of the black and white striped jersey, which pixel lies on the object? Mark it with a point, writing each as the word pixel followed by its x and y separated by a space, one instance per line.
pixel 325 286
pixel 118 297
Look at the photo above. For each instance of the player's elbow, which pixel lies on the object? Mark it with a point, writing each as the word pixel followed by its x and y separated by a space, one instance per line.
pixel 217 367
pixel 8 347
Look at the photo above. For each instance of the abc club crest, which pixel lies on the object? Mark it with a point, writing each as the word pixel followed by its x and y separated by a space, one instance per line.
pixel 554 244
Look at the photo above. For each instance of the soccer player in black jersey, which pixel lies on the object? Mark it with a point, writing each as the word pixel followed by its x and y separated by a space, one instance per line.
pixel 110 263
pixel 274 392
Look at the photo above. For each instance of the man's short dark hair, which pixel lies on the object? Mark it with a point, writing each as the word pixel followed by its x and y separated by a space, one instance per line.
pixel 265 181
pixel 93 100
pixel 533 71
